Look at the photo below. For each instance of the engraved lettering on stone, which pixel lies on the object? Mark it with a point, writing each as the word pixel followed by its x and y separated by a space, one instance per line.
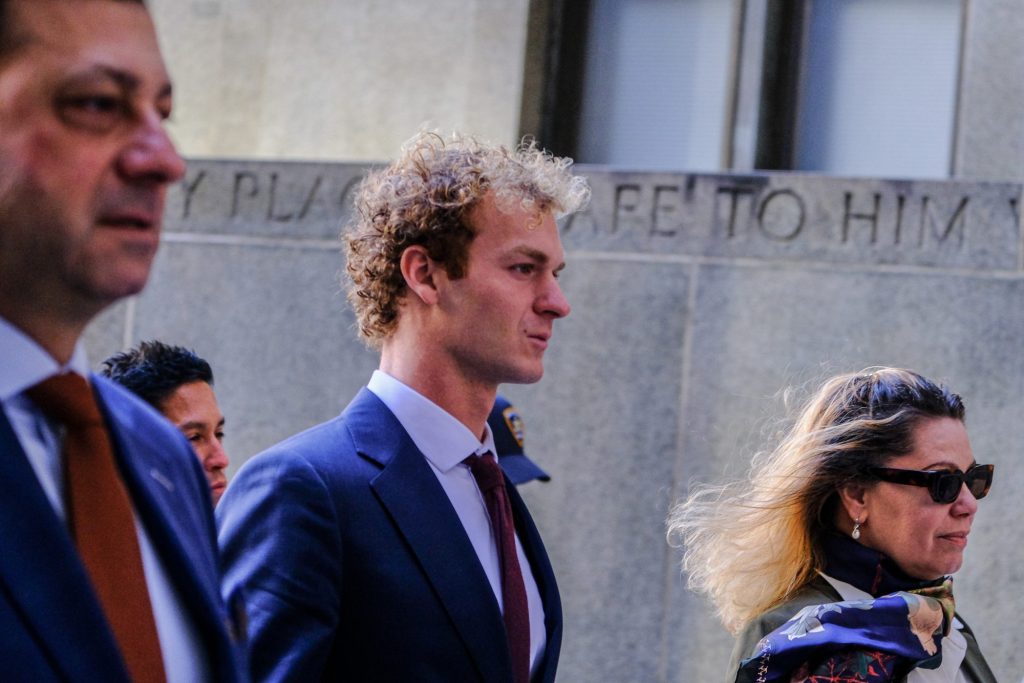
pixel 666 212
pixel 313 198
pixel 627 206
pixel 743 215
pixel 271 205
pixel 734 193
pixel 898 228
pixel 849 215
pixel 956 220
pixel 782 215
pixel 190 190
pixel 243 177
pixel 691 186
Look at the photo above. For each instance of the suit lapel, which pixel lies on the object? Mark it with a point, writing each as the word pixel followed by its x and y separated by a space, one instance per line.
pixel 44 576
pixel 408 489
pixel 170 516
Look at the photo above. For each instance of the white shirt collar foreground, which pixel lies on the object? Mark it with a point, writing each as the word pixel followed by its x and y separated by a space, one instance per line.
pixel 33 363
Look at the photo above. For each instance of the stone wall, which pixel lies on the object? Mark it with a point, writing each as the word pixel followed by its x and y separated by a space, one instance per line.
pixel 696 299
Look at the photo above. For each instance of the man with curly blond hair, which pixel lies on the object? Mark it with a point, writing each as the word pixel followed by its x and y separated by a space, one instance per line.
pixel 387 544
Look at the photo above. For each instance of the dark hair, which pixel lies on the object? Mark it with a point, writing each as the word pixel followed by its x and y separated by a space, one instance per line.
pixel 868 418
pixel 10 39
pixel 155 370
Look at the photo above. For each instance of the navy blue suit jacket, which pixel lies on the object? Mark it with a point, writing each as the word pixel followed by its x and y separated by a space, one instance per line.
pixel 355 566
pixel 51 624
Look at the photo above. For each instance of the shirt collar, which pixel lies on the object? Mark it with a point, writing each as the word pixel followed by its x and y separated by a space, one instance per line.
pixel 444 441
pixel 29 363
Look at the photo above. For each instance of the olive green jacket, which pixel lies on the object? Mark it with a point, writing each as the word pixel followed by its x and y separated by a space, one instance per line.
pixel 820 591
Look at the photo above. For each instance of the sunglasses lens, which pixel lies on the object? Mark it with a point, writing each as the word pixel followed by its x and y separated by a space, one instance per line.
pixel 947 488
pixel 979 479
pixel 943 487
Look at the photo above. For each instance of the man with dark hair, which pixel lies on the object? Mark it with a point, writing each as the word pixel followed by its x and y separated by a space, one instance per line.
pixel 108 562
pixel 387 545
pixel 179 384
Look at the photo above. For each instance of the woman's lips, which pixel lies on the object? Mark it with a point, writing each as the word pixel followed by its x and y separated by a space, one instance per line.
pixel 958 538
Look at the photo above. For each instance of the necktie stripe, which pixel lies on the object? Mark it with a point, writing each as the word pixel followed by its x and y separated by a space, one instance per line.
pixel 516 613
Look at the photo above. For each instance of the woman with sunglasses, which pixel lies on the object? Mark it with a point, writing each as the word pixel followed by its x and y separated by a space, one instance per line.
pixel 832 559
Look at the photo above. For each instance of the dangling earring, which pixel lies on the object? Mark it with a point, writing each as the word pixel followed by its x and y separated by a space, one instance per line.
pixel 856 529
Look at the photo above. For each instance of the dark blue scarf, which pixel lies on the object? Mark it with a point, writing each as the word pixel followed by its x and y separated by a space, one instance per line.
pixel 867 569
pixel 858 641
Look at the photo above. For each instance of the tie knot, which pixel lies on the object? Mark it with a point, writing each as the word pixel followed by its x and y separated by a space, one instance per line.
pixel 486 471
pixel 66 399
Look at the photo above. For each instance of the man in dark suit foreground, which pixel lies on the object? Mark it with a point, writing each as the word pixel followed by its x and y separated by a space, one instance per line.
pixel 107 549
pixel 365 548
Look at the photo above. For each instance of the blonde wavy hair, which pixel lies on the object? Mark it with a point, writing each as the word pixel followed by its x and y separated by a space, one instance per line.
pixel 749 544
pixel 424 198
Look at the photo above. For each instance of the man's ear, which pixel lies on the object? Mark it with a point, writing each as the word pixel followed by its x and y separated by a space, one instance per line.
pixel 420 273
pixel 853 499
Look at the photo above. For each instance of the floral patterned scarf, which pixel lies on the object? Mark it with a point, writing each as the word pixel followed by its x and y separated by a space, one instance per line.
pixel 858 641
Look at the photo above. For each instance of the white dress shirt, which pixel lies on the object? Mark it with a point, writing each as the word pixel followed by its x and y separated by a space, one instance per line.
pixel 24 365
pixel 445 443
pixel 954 646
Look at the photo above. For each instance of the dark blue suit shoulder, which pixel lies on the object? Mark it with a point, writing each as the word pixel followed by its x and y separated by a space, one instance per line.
pixel 327 449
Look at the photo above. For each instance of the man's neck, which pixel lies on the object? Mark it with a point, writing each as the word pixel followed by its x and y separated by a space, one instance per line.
pixel 58 338
pixel 468 402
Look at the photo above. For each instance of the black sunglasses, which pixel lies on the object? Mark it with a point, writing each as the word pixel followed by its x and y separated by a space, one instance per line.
pixel 943 486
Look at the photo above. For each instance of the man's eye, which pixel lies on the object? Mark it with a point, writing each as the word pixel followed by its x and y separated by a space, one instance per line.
pixel 97 103
pixel 194 438
pixel 524 268
pixel 98 113
pixel 220 436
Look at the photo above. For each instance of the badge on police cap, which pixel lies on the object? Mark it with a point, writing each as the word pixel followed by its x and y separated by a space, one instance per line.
pixel 514 423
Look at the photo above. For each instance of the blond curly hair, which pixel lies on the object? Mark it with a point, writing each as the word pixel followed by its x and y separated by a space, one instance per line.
pixel 749 544
pixel 424 198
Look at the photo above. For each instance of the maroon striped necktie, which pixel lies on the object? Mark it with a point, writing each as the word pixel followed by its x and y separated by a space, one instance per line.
pixel 102 524
pixel 516 613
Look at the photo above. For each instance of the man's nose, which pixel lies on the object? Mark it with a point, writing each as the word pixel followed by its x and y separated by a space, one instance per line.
pixel 151 154
pixel 217 458
pixel 552 300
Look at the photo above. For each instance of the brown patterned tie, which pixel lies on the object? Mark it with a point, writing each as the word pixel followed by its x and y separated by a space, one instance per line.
pixel 100 518
pixel 516 612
